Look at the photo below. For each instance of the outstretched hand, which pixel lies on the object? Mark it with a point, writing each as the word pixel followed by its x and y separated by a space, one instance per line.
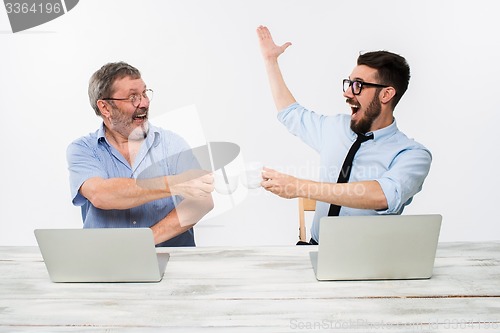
pixel 281 184
pixel 192 184
pixel 269 49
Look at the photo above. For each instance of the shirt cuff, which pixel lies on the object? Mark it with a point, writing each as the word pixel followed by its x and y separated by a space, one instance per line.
pixel 393 196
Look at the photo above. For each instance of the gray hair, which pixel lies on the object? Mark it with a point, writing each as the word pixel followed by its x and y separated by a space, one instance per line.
pixel 101 82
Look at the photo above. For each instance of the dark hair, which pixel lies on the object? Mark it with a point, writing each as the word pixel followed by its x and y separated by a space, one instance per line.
pixel 392 69
pixel 101 82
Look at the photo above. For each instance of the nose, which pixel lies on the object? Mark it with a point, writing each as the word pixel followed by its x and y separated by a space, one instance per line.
pixel 348 93
pixel 144 102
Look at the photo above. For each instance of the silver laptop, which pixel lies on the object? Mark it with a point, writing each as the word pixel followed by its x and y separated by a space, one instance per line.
pixel 376 247
pixel 101 255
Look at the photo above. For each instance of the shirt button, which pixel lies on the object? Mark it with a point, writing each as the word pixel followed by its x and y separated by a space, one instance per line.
pixel 134 222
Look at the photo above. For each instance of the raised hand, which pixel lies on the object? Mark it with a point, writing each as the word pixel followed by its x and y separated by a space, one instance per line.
pixel 269 49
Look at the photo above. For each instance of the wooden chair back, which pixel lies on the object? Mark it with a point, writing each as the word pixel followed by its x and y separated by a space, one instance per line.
pixel 305 205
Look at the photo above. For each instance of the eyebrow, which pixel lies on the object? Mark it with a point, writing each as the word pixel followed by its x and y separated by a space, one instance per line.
pixel 132 90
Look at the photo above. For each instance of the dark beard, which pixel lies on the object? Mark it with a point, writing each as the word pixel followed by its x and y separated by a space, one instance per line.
pixel 363 125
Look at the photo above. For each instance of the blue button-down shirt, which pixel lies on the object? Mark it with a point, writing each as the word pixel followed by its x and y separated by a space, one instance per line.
pixel 397 163
pixel 160 155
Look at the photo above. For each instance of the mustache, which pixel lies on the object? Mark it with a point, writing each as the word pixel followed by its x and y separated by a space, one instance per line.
pixel 141 111
pixel 351 101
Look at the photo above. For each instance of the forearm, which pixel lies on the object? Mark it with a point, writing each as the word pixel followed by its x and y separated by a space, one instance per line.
pixel 361 195
pixel 279 90
pixel 181 219
pixel 124 193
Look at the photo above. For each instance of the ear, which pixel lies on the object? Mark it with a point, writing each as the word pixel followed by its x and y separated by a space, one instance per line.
pixel 387 94
pixel 103 107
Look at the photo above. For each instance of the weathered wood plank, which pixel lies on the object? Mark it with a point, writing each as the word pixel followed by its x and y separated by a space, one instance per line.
pixel 279 314
pixel 266 288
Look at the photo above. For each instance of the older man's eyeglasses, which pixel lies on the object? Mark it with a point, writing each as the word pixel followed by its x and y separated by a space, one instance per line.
pixel 135 99
pixel 357 85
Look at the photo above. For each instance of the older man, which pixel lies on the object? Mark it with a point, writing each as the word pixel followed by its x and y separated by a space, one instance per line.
pixel 130 173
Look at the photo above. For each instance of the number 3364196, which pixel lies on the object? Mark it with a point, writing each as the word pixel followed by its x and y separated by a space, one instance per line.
pixel 34 8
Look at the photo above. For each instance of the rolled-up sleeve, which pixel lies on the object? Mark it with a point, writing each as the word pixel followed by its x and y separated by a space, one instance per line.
pixel 404 178
pixel 82 165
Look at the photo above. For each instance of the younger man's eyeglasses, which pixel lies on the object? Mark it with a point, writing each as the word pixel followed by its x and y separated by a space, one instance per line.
pixel 357 85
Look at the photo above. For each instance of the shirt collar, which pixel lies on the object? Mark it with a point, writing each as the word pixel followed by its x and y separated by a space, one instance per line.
pixel 100 133
pixel 385 132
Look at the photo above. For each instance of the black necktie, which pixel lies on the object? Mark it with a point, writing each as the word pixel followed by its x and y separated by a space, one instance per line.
pixel 346 168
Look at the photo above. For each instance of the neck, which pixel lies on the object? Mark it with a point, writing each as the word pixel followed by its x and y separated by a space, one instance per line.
pixel 128 148
pixel 383 120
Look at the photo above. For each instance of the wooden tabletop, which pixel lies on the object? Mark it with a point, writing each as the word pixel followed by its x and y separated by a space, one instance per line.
pixel 255 289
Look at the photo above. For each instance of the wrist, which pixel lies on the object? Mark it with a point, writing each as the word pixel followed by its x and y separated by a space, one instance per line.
pixel 167 184
pixel 271 62
pixel 309 189
pixel 302 188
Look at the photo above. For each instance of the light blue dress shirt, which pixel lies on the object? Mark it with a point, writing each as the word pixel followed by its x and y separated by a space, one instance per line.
pixel 162 153
pixel 399 164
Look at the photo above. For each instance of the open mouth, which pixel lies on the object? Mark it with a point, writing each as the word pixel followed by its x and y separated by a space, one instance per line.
pixel 142 116
pixel 354 109
pixel 353 105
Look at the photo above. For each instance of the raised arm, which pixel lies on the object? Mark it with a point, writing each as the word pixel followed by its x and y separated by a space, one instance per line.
pixel 270 52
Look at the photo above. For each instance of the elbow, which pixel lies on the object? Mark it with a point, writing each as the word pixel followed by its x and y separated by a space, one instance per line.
pixel 93 192
pixel 381 203
pixel 99 201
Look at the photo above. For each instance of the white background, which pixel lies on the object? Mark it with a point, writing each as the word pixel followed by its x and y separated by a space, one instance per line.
pixel 204 53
